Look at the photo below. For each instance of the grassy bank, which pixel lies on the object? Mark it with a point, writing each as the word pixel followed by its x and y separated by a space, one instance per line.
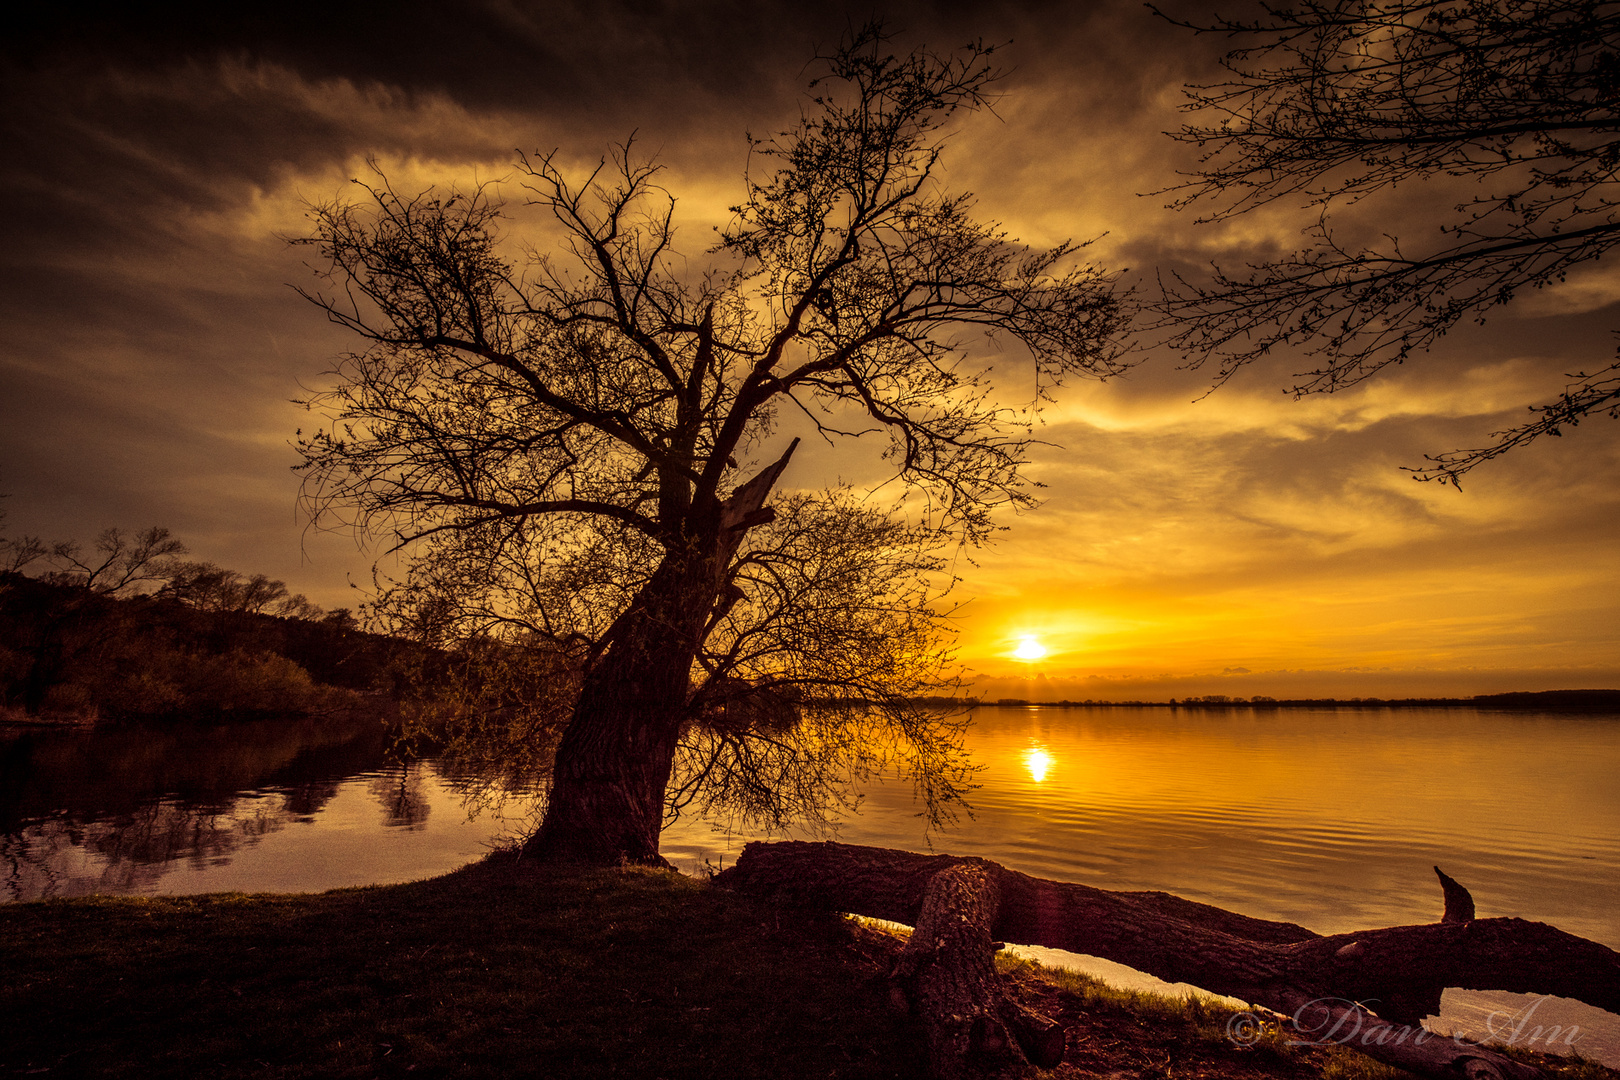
pixel 507 969
pixel 497 970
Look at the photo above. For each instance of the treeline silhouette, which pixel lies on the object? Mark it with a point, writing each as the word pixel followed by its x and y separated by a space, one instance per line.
pixel 1564 700
pixel 128 630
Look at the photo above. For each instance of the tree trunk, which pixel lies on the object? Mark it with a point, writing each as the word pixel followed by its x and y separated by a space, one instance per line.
pixel 606 804
pixel 1316 980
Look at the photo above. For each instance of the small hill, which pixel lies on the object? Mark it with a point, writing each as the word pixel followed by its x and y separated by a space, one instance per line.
pixel 68 653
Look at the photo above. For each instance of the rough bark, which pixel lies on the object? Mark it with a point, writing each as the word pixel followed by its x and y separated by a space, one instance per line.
pixel 947 973
pixel 1398 971
pixel 606 804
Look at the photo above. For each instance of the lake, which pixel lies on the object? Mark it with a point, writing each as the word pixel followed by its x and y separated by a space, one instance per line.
pixel 1331 818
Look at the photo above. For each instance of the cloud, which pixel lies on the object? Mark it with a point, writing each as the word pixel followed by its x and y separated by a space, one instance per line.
pixel 155 164
pixel 1588 288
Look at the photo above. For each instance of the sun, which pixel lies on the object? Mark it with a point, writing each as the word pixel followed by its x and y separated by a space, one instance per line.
pixel 1029 649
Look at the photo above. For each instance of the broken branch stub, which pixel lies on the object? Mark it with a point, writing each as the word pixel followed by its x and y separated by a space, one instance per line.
pixel 1459 901
pixel 947 972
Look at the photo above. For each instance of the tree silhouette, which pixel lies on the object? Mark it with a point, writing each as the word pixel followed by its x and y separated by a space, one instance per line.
pixel 208 587
pixel 564 445
pixel 117 563
pixel 17 554
pixel 1331 101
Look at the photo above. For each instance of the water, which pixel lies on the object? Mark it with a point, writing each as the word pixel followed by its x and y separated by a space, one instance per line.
pixel 271 806
pixel 1328 818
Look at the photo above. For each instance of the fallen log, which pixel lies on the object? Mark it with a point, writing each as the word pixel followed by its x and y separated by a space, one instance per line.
pixel 1368 990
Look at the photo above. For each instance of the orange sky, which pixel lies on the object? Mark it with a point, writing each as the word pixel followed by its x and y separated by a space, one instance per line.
pixel 1244 543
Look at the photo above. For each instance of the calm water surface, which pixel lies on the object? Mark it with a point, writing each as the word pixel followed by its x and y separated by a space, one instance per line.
pixel 1328 818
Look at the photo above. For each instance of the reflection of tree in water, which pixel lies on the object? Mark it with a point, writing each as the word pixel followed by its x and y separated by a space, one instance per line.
pixel 398 790
pixel 131 852
pixel 114 770
pixel 113 808
pixel 306 799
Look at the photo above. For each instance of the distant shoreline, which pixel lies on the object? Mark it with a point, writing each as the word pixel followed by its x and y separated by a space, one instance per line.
pixel 1595 701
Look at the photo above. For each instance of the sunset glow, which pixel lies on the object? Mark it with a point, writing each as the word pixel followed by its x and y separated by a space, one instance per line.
pixel 1029 649
pixel 1186 542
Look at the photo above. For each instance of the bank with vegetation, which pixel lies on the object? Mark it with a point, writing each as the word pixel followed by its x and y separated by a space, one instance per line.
pixel 508 968
pixel 72 654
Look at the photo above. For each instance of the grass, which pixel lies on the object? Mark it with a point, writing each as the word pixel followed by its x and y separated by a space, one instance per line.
pixel 511 969
pixel 497 970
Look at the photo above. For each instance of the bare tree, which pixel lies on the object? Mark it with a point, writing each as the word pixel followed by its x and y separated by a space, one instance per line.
pixel 20 552
pixel 116 562
pixel 208 587
pixel 1331 101
pixel 565 444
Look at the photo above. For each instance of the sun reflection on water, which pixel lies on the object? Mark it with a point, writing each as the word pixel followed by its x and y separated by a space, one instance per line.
pixel 1038 762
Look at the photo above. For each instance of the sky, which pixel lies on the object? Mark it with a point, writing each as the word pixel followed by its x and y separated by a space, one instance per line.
pixel 1238 542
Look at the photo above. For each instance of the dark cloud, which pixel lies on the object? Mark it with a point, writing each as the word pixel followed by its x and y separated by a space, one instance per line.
pixel 584 56
pixel 487 54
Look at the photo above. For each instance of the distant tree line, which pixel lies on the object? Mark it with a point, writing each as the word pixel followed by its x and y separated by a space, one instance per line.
pixel 1568 700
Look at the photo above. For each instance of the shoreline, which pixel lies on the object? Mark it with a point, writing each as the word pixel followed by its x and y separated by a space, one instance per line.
pixel 509 968
pixel 1581 701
